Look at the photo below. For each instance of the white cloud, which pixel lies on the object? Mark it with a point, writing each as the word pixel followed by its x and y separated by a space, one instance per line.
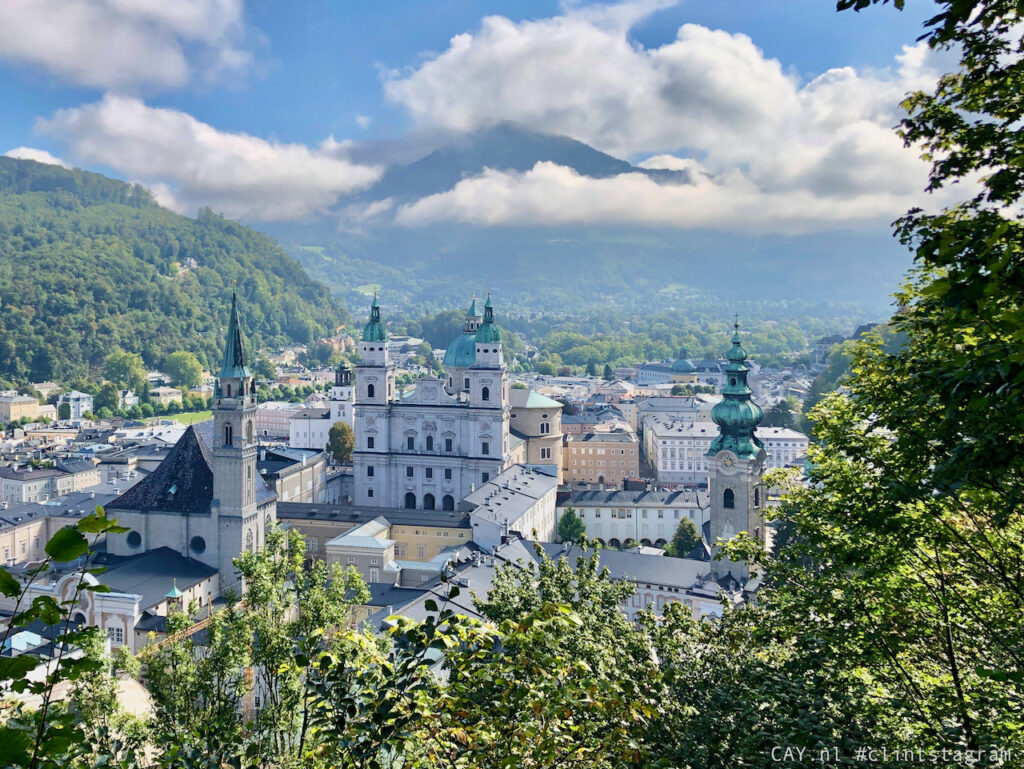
pixel 363 121
pixel 31 153
pixel 824 146
pixel 189 163
pixel 550 194
pixel 124 44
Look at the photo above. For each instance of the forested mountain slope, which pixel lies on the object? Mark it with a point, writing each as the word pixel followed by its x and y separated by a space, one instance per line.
pixel 89 264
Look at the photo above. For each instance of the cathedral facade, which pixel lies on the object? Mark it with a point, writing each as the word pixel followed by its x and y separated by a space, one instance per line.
pixel 429 448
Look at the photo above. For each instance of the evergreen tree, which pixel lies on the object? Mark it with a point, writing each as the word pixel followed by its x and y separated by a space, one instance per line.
pixel 570 527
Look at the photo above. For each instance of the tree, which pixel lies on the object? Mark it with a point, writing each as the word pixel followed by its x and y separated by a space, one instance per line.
pixel 340 442
pixel 126 370
pixel 685 539
pixel 570 527
pixel 108 397
pixel 263 368
pixel 184 369
pixel 591 367
pixel 780 415
pixel 64 411
pixel 609 373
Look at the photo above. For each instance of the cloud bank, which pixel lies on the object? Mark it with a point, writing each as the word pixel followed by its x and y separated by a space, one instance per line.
pixel 126 44
pixel 188 163
pixel 770 151
pixel 31 153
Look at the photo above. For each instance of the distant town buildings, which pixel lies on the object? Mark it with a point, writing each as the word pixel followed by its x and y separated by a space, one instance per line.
pixel 604 458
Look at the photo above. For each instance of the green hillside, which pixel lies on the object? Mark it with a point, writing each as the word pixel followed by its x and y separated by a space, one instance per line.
pixel 89 264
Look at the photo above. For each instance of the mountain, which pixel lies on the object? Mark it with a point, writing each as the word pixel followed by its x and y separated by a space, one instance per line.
pixel 438 266
pixel 89 264
pixel 505 147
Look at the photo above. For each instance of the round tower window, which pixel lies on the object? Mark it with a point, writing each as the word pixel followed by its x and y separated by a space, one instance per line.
pixel 197 545
pixel 134 539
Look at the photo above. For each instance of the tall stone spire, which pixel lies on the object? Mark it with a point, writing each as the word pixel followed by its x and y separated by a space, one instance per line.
pixel 736 415
pixel 233 366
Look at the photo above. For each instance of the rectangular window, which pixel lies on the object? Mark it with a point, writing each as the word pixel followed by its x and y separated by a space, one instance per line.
pixel 448 444
pixel 661 513
pixel 369 443
pixel 410 443
pixel 369 492
pixel 369 471
pixel 408 472
pixel 484 477
pixel 430 472
pixel 447 473
pixel 421 551
pixel 374 561
pixel 311 543
pixel 485 448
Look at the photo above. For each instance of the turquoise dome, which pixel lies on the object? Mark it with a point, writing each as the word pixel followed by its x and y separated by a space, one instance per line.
pixel 736 415
pixel 488 333
pixel 461 353
pixel 683 366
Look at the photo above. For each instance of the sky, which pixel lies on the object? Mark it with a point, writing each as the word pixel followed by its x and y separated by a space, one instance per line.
pixel 780 112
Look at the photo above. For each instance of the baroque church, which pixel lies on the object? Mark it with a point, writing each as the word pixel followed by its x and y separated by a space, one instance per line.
pixel 430 448
pixel 207 503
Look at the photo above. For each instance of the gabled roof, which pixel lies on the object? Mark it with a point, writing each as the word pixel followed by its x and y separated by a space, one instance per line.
pixel 182 483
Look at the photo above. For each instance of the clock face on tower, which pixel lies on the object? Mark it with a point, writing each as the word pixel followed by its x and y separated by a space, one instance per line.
pixel 727 460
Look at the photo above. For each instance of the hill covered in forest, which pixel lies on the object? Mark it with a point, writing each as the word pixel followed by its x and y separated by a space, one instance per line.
pixel 89 264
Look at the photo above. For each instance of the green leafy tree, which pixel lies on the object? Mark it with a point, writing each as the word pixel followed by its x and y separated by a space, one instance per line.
pixel 184 369
pixel 570 527
pixel 64 411
pixel 126 370
pixel 340 442
pixel 609 373
pixel 263 368
pixel 108 397
pixel 684 540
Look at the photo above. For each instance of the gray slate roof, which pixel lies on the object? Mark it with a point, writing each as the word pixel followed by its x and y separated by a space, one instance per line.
pixel 182 483
pixel 152 574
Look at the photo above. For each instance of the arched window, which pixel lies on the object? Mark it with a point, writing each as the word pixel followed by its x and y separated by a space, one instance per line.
pixel 448 502
pixel 430 443
pixel 249 432
pixel 228 435
pixel 410 501
pixel 227 390
pixel 728 499
pixel 485 394
pixel 757 496
pixel 369 391
pixel 545 428
pixel 428 502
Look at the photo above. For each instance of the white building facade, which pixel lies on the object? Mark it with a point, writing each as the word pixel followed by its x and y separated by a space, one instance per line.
pixel 430 448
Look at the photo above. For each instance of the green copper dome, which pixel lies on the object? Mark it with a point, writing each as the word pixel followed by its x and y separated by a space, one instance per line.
pixel 683 366
pixel 375 331
pixel 488 333
pixel 461 353
pixel 736 415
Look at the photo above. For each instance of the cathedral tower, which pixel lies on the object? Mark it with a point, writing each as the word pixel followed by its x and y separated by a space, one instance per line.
pixel 737 464
pixel 375 390
pixel 234 455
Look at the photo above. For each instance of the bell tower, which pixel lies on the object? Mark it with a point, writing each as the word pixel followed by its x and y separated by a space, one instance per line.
pixel 736 465
pixel 234 455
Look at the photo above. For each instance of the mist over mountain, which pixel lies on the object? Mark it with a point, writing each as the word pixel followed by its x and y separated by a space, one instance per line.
pixel 358 246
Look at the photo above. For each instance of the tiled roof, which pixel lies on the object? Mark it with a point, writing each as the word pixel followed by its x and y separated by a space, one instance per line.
pixel 183 483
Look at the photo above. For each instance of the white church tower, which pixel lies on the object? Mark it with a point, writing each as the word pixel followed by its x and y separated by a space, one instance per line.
pixel 374 391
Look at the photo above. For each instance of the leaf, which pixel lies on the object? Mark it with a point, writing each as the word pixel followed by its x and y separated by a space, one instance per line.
pixel 14 747
pixel 12 668
pixel 9 586
pixel 67 545
pixel 430 605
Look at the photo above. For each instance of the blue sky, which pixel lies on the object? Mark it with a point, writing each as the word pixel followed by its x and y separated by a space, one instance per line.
pixel 206 101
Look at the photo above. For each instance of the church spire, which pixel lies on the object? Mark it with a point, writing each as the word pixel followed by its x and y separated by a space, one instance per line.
pixel 374 330
pixel 736 415
pixel 233 366
pixel 489 332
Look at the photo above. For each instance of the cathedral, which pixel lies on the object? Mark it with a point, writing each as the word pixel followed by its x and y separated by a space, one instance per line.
pixel 430 448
